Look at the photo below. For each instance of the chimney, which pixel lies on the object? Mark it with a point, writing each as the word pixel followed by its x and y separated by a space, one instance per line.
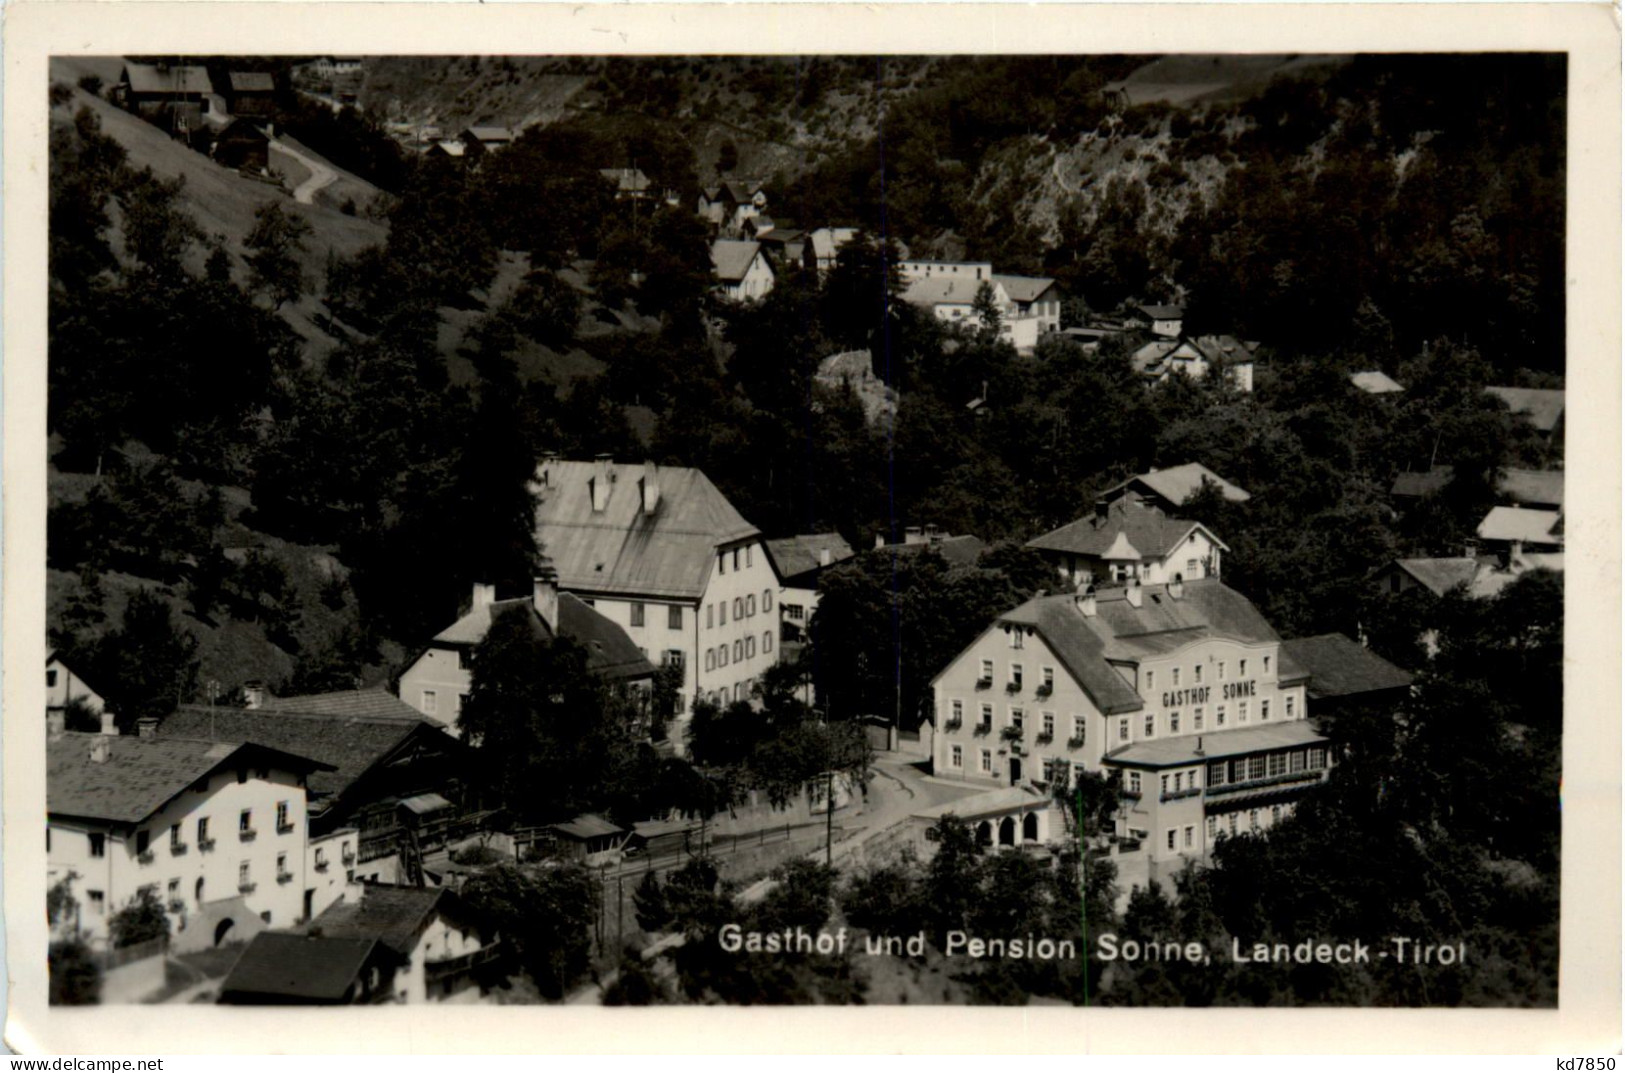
pixel 913 535
pixel 484 594
pixel 1176 587
pixel 56 723
pixel 146 726
pixel 599 484
pixel 1086 602
pixel 649 487
pixel 100 750
pixel 253 695
pixel 823 556
pixel 545 595
pixel 109 724
pixel 1136 597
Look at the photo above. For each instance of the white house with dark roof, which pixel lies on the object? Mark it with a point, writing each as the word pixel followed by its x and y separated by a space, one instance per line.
pixel 440 942
pixel 1181 690
pixel 824 246
pixel 1128 539
pixel 798 560
pixel 437 682
pixel 1169 488
pixel 660 552
pixel 1164 320
pixel 743 271
pixel 216 830
pixel 1033 296
pixel 64 688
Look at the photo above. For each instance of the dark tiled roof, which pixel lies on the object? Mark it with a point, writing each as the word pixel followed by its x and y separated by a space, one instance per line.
pixel 1118 630
pixel 1340 667
pixel 1418 485
pixel 1439 576
pixel 1162 312
pixel 624 551
pixel 588 826
pixel 141 775
pixel 1129 526
pixel 1542 408
pixel 365 703
pixel 1177 483
pixel 147 78
pixel 392 915
pixel 610 652
pixel 1024 288
pixel 961 550
pixel 289 965
pixel 251 82
pixel 732 258
pixel 794 556
pixel 1533 487
pixel 1218 349
pixel 1182 750
pixel 351 744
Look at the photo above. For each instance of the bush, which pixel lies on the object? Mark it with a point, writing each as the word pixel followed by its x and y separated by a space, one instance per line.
pixel 76 979
pixel 91 84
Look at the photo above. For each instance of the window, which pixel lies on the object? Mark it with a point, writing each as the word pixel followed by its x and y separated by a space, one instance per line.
pixel 1295 761
pixel 1078 723
pixel 1263 711
pixel 1165 784
pixel 174 835
pixel 1277 763
pixel 1049 724
pixel 1317 759
pixel 1241 668
pixel 1015 717
pixel 1195 777
pixel 672 657
pixel 767 600
pixel 739 608
pixel 987 670
pixel 1221 670
pixel 1172 835
pixel 1191 568
pixel 722 562
pixel 1173 722
pixel 1049 679
pixel 722 612
pixel 750 647
pixel 1179 781
pixel 1241 712
pixel 1078 771
pixel 1150 680
pixel 750 604
pixel 1238 771
pixel 1015 676
pixel 202 830
pixel 748 550
pixel 1289 707
pixel 1266 665
pixel 1252 819
pixel 1232 823
pixel 174 890
pixel 1215 773
pixel 1151 726
pixel 1176 677
pixel 1212 827
pixel 1196 719
pixel 1190 836
pixel 1218 716
pixel 722 655
pixel 987 717
pixel 987 761
pixel 1255 767
pixel 957 711
pixel 956 756
pixel 1275 815
pixel 736 559
pixel 1134 782
pixel 637 612
pixel 141 840
pixel 739 651
pixel 1122 729
pixel 767 642
pixel 428 701
pixel 793 611
pixel 1196 674
pixel 98 901
pixel 243 874
pixel 710 659
pixel 281 864
pixel 1016 637
pixel 245 821
pixel 282 821
pixel 321 859
pixel 710 616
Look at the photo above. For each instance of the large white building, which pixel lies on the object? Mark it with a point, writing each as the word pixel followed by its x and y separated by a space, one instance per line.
pixel 660 552
pixel 216 830
pixel 1182 690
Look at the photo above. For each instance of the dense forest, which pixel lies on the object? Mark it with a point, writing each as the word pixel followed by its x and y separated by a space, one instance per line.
pixel 229 503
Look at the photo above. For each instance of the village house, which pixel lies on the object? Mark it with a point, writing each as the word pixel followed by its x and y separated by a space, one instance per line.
pixel 280 968
pixel 1033 296
pixel 728 204
pixel 1346 678
pixel 1541 408
pixel 630 183
pixel 1536 488
pixel 173 96
pixel 1164 320
pixel 972 272
pixel 1208 354
pixel 382 754
pixel 65 689
pixel 589 839
pixel 1170 488
pixel 479 140
pixel 962 550
pixel 661 552
pixel 251 94
pixel 437 681
pixel 441 946
pixel 824 246
pixel 243 145
pixel 1514 530
pixel 216 830
pixel 742 270
pixel 785 245
pixel 1181 692
pixel 448 149
pixel 1376 382
pixel 1127 539
pixel 798 561
pixel 1478 575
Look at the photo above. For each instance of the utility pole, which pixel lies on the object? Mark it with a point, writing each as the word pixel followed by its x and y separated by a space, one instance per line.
pixel 829 819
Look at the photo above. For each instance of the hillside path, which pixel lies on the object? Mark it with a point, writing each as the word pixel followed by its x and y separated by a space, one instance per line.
pixel 321 176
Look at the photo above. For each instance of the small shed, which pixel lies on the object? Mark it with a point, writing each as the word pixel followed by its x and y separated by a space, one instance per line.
pixel 244 146
pixel 589 837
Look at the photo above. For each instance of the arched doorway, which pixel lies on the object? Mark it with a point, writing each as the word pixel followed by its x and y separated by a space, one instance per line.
pixel 1029 827
pixel 1007 831
pixel 222 930
pixel 984 834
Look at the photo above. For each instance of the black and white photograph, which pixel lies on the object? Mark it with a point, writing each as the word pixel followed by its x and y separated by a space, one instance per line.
pixel 1044 527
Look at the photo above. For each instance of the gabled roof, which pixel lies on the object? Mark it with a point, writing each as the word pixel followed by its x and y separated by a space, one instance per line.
pixel 610 652
pixel 300 967
pixel 1178 483
pixel 624 551
pixel 1150 359
pixel 491 134
pixel 959 550
pixel 827 241
pixel 177 78
pixel 1216 349
pixel 798 555
pixel 1024 288
pixel 1162 312
pixel 451 148
pixel 1376 382
pixel 1521 523
pixel 1541 407
pixel 1087 644
pixel 1169 752
pixel 946 290
pixel 1533 487
pixel 251 82
pixel 351 745
pixel 1341 667
pixel 393 915
pixel 1439 576
pixel 732 258
pixel 348 703
pixel 142 775
pixel 1145 529
pixel 589 825
pixel 1420 485
pixel 54 656
pixel 626 180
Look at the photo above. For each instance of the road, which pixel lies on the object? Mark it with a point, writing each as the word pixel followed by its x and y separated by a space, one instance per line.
pixel 321 176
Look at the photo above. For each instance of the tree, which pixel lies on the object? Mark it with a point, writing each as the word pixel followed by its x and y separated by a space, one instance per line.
pixel 276 242
pixel 727 157
pixel 148 665
pixel 141 920
pixel 545 913
pixel 649 903
pixel 636 984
